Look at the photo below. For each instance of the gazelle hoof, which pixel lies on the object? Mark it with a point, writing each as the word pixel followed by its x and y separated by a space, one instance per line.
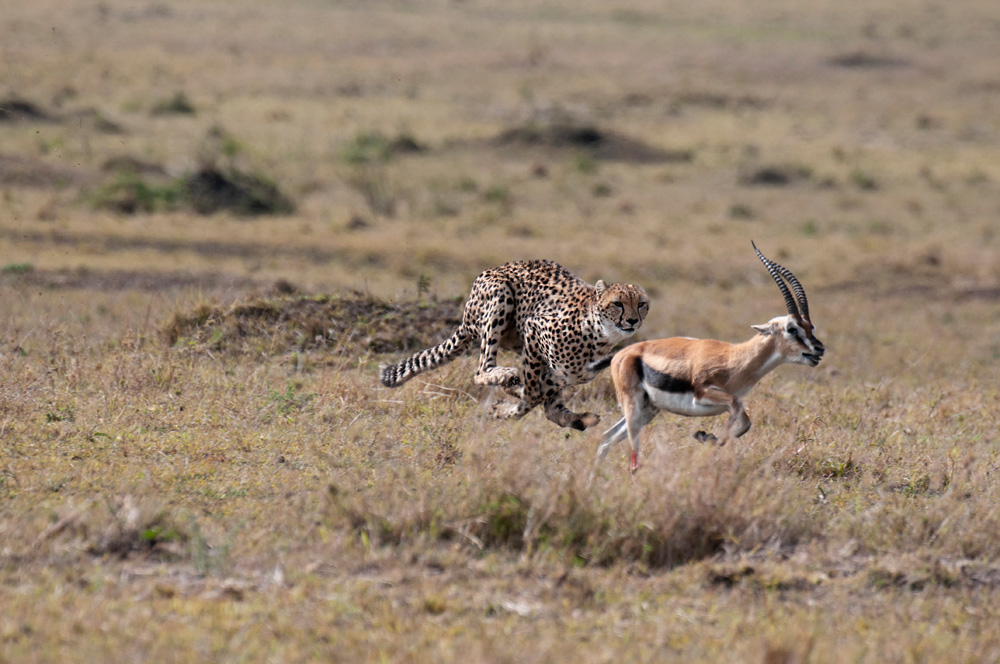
pixel 703 437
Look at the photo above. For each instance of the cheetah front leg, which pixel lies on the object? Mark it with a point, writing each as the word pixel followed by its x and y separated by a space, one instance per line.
pixel 539 388
pixel 550 393
pixel 496 314
pixel 556 411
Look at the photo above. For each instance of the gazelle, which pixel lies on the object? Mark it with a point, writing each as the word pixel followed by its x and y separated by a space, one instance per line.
pixel 704 377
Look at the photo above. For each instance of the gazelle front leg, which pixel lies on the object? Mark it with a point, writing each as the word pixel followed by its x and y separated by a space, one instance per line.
pixel 738 422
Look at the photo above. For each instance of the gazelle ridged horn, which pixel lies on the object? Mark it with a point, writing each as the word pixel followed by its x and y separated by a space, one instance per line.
pixel 800 293
pixel 775 270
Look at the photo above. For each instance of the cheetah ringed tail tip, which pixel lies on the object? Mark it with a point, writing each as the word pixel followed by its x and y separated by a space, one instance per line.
pixel 388 375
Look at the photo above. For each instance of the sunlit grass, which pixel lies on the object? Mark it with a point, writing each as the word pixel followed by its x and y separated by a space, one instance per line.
pixel 183 480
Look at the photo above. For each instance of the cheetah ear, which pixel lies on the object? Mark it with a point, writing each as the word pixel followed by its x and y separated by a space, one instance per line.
pixel 600 286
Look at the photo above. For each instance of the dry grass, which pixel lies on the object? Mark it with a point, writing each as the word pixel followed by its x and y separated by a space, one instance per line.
pixel 197 462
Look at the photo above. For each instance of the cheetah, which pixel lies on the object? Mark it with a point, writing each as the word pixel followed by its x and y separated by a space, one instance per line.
pixel 564 328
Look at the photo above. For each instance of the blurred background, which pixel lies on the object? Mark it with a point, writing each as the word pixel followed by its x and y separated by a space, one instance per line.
pixel 156 154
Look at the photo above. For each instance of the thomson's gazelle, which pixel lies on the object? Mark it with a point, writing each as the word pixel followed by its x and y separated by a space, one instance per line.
pixel 703 377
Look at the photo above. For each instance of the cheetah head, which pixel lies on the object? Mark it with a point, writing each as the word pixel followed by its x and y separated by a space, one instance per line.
pixel 622 307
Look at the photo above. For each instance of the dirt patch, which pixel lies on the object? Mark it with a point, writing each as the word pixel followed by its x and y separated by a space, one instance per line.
pixel 921 277
pixel 719 101
pixel 18 171
pixel 23 274
pixel 339 323
pixel 775 175
pixel 865 60
pixel 600 143
pixel 130 164
pixel 212 190
pixel 20 110
pixel 208 248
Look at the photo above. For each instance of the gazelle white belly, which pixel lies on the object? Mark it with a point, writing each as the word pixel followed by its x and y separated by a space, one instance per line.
pixel 681 403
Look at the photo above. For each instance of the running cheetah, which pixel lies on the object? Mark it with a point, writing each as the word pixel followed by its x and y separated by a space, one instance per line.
pixel 564 327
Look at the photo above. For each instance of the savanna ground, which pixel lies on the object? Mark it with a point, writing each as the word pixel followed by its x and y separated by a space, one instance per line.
pixel 197 462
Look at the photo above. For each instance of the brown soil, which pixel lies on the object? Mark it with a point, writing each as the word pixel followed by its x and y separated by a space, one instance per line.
pixel 20 110
pixel 122 280
pixel 341 323
pixel 600 143
pixel 21 171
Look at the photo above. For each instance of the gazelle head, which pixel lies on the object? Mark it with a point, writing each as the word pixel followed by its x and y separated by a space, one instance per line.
pixel 793 332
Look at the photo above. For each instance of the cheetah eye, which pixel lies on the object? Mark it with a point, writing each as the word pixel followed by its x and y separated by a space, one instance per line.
pixel 619 305
pixel 643 305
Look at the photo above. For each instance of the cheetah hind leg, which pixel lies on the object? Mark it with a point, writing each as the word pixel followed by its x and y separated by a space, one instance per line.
pixel 505 410
pixel 508 378
pixel 499 306
pixel 516 391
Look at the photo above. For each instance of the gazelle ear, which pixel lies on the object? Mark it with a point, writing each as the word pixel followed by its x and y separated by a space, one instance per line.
pixel 600 286
pixel 762 329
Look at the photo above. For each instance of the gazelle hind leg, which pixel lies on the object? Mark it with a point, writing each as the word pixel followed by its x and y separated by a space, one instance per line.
pixel 617 433
pixel 630 404
pixel 642 415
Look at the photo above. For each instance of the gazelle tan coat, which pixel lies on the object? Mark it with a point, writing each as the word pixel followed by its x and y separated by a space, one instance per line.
pixel 704 377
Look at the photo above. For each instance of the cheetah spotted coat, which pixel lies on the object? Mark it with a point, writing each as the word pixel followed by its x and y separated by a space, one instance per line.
pixel 564 328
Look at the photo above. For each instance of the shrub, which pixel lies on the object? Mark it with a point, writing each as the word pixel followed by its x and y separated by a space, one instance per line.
pixel 374 146
pixel 776 175
pixel 213 190
pixel 506 499
pixel 178 104
pixel 17 268
pixel 206 191
pixel 131 194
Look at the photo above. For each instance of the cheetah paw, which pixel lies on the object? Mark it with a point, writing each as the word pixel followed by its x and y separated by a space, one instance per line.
pixel 585 421
pixel 505 377
pixel 503 410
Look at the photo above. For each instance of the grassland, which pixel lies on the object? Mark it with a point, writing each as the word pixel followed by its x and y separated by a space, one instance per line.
pixel 197 463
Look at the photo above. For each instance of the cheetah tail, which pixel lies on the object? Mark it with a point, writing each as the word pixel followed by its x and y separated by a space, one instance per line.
pixel 395 375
